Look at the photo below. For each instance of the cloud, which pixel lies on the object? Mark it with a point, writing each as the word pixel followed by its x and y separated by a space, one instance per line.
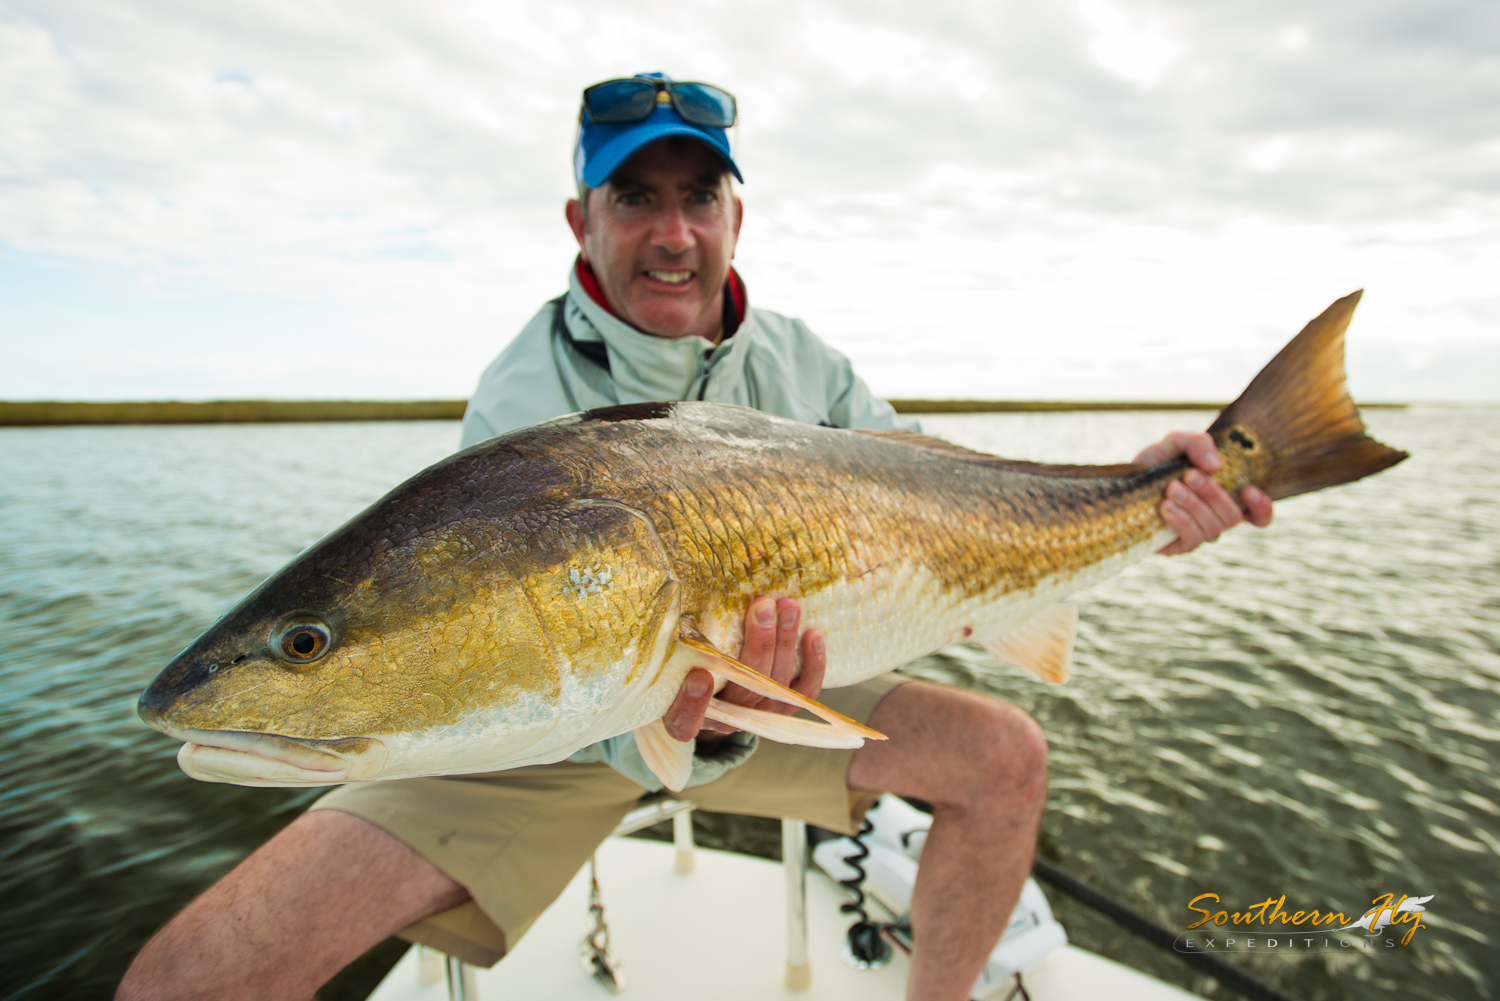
pixel 1269 156
pixel 883 60
pixel 1126 46
pixel 1117 197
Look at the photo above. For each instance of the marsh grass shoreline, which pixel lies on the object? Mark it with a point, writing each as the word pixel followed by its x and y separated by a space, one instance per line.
pixel 64 413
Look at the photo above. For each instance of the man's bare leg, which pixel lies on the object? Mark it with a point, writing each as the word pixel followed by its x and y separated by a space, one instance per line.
pixel 982 764
pixel 302 907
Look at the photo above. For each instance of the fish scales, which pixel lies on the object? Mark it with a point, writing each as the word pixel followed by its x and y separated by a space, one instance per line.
pixel 775 524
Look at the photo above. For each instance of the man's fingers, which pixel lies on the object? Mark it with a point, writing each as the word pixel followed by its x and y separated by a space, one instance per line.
pixel 770 647
pixel 814 665
pixel 1196 445
pixel 1224 509
pixel 1169 447
pixel 1197 509
pixel 739 696
pixel 1189 535
pixel 758 650
pixel 1153 455
pixel 685 717
pixel 788 621
pixel 1200 450
pixel 1257 506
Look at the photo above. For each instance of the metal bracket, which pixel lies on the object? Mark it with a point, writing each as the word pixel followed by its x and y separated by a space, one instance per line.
pixel 597 962
pixel 794 865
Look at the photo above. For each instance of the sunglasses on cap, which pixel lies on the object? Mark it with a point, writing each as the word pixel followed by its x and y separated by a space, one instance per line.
pixel 633 99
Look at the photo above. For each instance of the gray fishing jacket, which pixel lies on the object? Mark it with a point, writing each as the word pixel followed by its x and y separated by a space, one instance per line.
pixel 574 355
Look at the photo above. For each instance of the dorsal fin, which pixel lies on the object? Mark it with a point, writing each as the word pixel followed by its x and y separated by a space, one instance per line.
pixel 922 441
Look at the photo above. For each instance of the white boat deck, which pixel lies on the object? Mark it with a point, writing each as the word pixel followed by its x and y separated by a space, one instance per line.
pixel 719 932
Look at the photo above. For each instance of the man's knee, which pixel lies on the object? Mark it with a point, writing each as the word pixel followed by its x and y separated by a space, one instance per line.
pixel 955 748
pixel 1005 753
pixel 1018 751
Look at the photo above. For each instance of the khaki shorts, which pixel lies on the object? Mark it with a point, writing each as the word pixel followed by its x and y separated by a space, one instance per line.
pixel 515 839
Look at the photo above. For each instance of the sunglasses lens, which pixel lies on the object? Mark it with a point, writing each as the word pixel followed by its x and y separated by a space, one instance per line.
pixel 620 100
pixel 704 105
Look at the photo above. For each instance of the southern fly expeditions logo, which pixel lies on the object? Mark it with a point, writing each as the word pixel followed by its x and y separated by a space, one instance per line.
pixel 1392 922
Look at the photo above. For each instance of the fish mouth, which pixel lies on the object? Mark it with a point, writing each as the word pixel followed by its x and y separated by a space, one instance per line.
pixel 240 757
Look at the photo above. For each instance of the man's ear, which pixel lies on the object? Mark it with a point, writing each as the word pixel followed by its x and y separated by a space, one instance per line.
pixel 574 211
pixel 739 217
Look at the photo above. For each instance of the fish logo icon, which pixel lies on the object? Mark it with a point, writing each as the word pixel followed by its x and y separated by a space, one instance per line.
pixel 1408 910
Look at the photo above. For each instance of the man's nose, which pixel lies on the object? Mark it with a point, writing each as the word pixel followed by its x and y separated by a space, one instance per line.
pixel 671 232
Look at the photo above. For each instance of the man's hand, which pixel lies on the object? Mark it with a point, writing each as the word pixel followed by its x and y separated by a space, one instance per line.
pixel 1196 507
pixel 770 647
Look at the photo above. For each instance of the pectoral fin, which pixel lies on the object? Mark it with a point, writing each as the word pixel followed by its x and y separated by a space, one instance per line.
pixel 669 759
pixel 727 667
pixel 1043 644
pixel 787 729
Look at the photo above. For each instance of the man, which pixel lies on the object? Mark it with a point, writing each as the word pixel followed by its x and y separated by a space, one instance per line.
pixel 466 863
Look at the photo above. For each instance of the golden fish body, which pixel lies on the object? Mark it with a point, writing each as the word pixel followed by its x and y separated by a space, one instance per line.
pixel 551 587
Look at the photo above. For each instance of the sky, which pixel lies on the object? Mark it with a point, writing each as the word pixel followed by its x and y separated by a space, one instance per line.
pixel 1081 199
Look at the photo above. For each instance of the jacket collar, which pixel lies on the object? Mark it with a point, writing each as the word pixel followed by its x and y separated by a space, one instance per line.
pixel 645 367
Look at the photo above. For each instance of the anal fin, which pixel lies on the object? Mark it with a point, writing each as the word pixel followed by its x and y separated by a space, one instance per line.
pixel 669 759
pixel 1043 644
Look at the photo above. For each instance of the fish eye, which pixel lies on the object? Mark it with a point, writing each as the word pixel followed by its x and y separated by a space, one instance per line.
pixel 300 641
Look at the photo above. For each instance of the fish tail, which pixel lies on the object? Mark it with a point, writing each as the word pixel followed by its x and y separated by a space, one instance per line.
pixel 1295 428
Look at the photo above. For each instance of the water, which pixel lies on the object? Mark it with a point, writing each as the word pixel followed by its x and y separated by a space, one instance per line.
pixel 1312 710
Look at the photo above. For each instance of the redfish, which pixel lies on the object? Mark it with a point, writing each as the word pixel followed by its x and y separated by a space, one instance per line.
pixel 551 587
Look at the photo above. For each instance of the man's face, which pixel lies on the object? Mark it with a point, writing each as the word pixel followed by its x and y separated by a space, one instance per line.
pixel 660 235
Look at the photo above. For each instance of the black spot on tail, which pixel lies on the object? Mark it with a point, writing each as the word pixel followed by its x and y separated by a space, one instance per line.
pixel 1299 411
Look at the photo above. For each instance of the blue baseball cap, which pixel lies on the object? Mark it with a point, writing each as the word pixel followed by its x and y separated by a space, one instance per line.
pixel 602 147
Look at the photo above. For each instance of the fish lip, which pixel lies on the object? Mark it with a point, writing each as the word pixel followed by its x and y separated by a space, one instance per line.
pixel 254 758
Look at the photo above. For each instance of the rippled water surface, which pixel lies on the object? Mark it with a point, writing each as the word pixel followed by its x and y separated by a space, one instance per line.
pixel 1312 710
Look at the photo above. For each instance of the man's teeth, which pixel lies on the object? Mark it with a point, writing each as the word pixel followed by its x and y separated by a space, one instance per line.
pixel 670 277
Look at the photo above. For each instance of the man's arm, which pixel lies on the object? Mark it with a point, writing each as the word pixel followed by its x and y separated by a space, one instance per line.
pixel 1197 508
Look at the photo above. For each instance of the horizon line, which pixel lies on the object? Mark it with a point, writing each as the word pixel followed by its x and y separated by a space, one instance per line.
pixel 53 413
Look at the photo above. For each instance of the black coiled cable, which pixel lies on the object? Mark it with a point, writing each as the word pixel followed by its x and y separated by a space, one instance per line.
pixel 866 942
